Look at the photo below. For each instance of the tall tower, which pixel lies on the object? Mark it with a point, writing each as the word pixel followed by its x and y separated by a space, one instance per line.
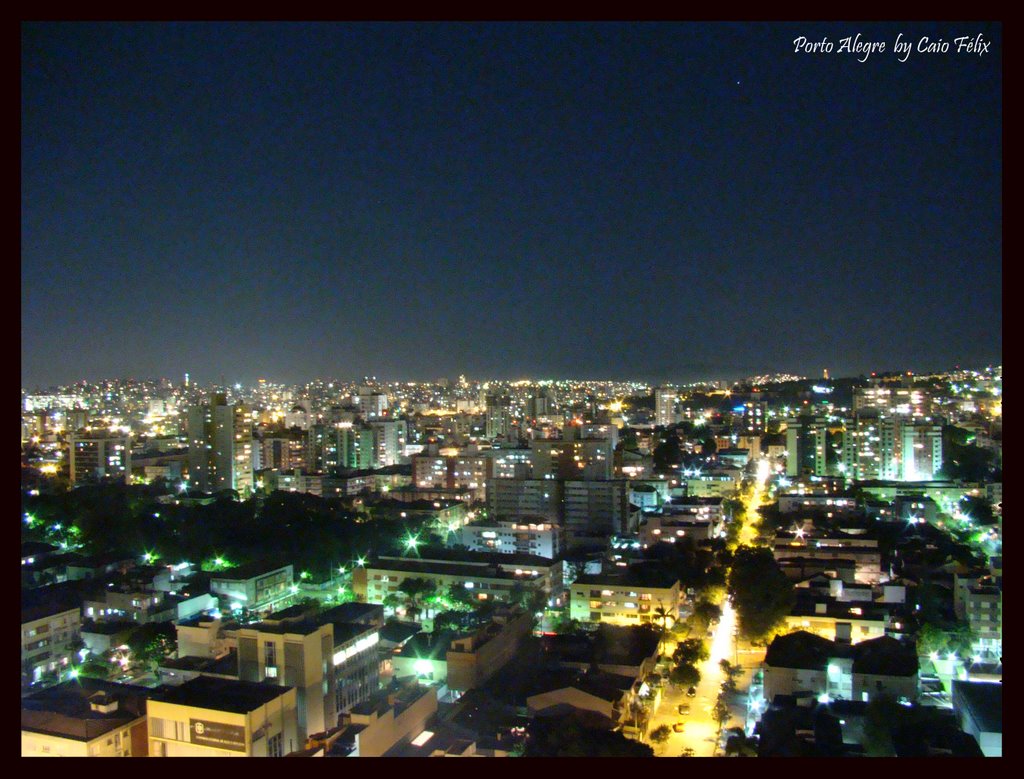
pixel 664 406
pixel 220 450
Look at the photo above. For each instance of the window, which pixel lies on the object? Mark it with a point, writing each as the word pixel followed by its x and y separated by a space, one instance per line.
pixel 274 745
pixel 270 654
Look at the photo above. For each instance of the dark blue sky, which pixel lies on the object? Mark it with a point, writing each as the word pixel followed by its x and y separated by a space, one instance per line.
pixel 413 201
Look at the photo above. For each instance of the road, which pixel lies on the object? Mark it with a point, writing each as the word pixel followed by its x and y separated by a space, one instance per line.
pixel 700 729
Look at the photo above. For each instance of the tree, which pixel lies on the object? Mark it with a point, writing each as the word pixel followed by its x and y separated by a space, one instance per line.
pixel 567 737
pixel 661 734
pixel 760 591
pixel 416 590
pixel 720 713
pixel 691 651
pixel 95 668
pixel 153 642
pixel 881 716
pixel 685 675
pixel 661 614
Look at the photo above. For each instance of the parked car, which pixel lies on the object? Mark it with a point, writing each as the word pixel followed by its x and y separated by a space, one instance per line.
pixel 678 727
pixel 684 708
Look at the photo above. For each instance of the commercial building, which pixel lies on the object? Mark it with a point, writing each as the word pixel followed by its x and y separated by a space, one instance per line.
pixel 85 718
pixel 211 717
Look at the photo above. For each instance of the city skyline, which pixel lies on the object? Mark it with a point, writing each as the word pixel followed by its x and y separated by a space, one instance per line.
pixel 659 202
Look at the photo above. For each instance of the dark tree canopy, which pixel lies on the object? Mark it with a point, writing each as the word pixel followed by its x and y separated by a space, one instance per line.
pixel 761 593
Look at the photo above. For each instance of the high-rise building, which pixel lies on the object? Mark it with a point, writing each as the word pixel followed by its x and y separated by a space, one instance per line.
pixel 922 451
pixel 389 437
pixel 871 446
pixel 755 414
pixel 220 451
pixel 499 418
pixel 664 406
pixel 596 508
pixel 94 457
pixel 372 405
pixel 806 445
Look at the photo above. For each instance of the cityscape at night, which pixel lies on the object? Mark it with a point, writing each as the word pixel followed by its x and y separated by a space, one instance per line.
pixel 511 390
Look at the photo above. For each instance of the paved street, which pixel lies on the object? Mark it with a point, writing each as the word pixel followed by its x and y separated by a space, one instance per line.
pixel 700 730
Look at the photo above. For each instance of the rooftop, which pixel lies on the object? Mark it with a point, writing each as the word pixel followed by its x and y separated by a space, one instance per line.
pixel 982 701
pixel 66 709
pixel 208 692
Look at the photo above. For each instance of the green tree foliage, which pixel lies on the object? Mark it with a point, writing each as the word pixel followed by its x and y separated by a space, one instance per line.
pixel 978 509
pixel 416 592
pixel 761 593
pixel 668 454
pixel 566 737
pixel 692 651
pixel 881 717
pixel 962 460
pixel 153 642
pixel 661 734
pixel 95 668
pixel 720 713
pixel 685 675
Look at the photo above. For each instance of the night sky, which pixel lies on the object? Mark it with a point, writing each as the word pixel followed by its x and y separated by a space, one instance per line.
pixel 661 202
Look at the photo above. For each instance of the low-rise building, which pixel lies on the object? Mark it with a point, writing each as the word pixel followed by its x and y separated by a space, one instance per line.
pixel 629 598
pixel 802 662
pixel 488 576
pixel 525 535
pixel 257 587
pixel 389 719
pixel 51 622
pixel 85 718
pixel 979 709
pixel 211 717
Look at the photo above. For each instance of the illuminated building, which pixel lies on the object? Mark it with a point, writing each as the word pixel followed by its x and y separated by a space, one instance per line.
pixel 498 422
pixel 98 456
pixel 484 576
pixel 85 718
pixel 213 717
pixel 332 663
pixel 802 661
pixel 511 536
pixel 806 445
pixel 50 629
pixel 665 406
pixel 921 451
pixel 628 598
pixel 220 454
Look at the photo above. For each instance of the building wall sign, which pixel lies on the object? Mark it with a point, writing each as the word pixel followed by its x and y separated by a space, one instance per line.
pixel 217 734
